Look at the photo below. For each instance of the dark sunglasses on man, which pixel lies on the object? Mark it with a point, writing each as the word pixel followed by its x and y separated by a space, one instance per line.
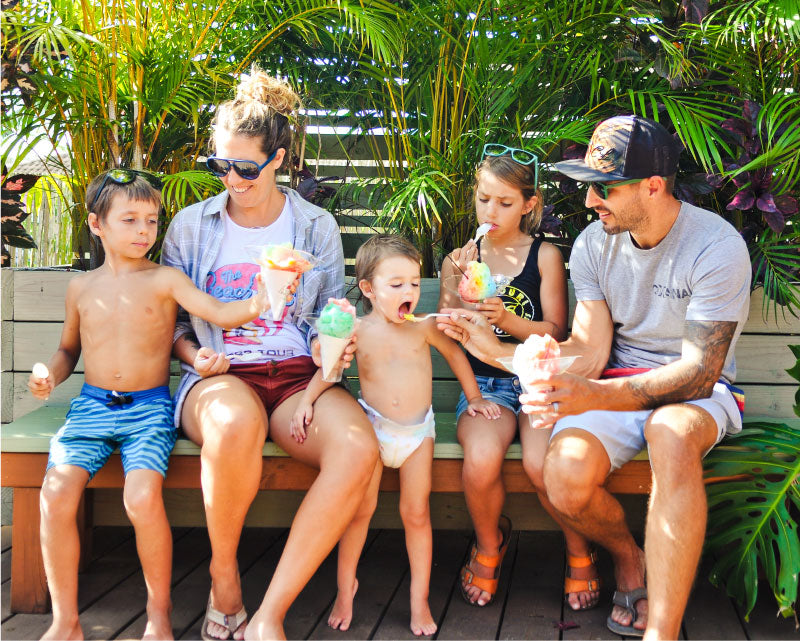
pixel 247 169
pixel 520 156
pixel 601 189
pixel 125 176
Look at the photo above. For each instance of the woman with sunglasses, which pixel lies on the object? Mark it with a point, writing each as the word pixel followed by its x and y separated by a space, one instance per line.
pixel 508 198
pixel 242 385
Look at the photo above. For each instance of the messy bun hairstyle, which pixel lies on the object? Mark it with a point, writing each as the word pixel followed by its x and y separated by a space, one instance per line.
pixel 523 177
pixel 264 108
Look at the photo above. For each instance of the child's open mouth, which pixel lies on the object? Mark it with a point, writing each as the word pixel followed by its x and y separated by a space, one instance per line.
pixel 405 308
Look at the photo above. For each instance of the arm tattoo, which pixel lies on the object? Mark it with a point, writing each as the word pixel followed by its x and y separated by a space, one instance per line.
pixel 705 346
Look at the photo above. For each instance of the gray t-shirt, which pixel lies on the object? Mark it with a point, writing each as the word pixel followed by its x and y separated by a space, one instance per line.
pixel 700 271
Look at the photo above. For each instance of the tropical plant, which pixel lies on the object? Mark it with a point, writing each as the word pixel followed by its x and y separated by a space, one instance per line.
pixel 753 521
pixel 134 83
pixel 14 213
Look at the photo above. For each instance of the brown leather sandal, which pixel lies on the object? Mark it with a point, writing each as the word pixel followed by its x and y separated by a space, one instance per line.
pixel 469 579
pixel 581 585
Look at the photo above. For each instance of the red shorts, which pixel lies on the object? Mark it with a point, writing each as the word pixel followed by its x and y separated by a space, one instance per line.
pixel 275 381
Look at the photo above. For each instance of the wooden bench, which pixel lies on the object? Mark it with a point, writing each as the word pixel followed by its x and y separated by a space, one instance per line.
pixel 32 334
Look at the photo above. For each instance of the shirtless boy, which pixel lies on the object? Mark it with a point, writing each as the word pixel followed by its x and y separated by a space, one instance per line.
pixel 121 316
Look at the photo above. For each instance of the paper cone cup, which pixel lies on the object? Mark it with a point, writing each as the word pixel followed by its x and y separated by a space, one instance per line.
pixel 277 282
pixel 331 350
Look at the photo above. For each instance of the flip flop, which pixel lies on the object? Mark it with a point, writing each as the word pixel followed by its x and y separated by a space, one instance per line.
pixel 469 579
pixel 232 622
pixel 572 586
pixel 627 600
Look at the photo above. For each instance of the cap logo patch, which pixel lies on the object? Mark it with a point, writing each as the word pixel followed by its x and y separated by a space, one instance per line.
pixel 604 153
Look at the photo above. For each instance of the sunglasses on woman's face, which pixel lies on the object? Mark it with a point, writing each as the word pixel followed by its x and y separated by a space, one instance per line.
pixel 520 156
pixel 247 169
pixel 124 176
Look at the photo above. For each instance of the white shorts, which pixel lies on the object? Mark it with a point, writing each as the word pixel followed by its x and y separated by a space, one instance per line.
pixel 622 433
pixel 397 442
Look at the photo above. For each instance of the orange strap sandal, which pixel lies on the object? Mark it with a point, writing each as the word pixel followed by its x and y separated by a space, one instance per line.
pixel 470 579
pixel 581 585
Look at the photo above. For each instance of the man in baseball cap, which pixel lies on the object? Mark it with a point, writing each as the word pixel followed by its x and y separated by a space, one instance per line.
pixel 662 292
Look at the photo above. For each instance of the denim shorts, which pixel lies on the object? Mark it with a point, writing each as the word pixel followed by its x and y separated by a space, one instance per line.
pixel 503 391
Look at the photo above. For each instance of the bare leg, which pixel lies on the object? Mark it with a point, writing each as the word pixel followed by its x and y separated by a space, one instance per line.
pixel 678 435
pixel 144 504
pixel 575 469
pixel 61 493
pixel 534 447
pixel 226 418
pixel 342 444
pixel 350 548
pixel 485 443
pixel 415 511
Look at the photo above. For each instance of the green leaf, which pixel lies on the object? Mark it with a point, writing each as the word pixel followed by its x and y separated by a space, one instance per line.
pixel 750 523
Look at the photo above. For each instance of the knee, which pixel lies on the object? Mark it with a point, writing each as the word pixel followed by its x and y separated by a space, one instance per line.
pixel 142 501
pixel 569 484
pixel 677 437
pixel 415 515
pixel 232 437
pixel 57 502
pixel 482 467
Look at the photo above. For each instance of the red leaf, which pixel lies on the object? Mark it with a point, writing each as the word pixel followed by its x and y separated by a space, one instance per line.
pixel 775 220
pixel 743 200
pixel 765 203
pixel 20 183
pixel 786 204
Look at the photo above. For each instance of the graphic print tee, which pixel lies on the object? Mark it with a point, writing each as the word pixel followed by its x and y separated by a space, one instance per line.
pixel 233 277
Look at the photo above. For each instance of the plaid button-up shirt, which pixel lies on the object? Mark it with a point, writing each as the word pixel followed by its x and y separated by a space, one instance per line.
pixel 193 242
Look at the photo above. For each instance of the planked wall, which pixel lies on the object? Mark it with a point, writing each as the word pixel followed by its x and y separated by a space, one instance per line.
pixel 33 311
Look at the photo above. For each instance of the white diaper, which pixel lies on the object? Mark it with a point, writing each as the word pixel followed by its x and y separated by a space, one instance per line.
pixel 397 442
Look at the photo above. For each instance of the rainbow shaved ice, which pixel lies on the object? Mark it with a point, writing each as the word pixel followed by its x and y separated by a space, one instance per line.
pixel 337 319
pixel 280 266
pixel 477 283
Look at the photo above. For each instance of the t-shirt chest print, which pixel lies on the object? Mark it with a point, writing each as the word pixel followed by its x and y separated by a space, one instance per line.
pixel 516 302
pixel 236 282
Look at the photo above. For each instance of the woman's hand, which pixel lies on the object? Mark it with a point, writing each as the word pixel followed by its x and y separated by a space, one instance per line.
pixel 207 362
pixel 494 310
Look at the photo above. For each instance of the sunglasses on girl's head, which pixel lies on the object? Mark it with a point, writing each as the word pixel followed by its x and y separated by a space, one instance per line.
pixel 602 189
pixel 521 156
pixel 247 169
pixel 124 176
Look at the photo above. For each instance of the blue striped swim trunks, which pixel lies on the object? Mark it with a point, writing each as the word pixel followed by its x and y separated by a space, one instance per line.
pixel 98 421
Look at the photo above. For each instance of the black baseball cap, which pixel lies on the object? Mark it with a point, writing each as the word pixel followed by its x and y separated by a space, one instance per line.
pixel 625 147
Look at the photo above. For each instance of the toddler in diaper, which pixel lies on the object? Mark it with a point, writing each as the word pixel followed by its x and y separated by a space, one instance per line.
pixel 395 372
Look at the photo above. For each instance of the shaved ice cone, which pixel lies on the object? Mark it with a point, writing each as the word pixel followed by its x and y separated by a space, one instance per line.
pixel 336 325
pixel 277 282
pixel 331 350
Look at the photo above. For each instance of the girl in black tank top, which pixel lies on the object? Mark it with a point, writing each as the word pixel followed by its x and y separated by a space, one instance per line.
pixel 521 298
pixel 507 197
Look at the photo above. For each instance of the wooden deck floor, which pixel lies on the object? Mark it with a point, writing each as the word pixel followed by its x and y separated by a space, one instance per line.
pixel 528 605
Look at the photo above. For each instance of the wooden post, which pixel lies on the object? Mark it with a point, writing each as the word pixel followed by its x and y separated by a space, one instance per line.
pixel 28 583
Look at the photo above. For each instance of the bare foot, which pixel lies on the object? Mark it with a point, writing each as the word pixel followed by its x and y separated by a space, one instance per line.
pixel 158 625
pixel 630 575
pixel 66 631
pixel 583 599
pixel 226 596
pixel 342 612
pixel 422 623
pixel 264 628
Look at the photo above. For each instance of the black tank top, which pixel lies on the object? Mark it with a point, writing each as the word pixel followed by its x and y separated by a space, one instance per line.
pixel 521 298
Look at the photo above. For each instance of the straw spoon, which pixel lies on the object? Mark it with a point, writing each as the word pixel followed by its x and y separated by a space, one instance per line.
pixel 419 319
